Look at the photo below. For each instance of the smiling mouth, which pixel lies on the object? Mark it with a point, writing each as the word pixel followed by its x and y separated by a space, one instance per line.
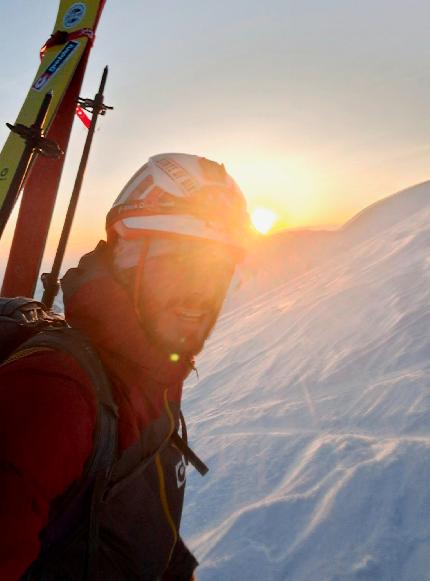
pixel 191 315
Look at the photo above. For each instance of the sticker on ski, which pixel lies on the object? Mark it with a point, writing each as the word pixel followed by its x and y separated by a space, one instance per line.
pixel 74 15
pixel 56 65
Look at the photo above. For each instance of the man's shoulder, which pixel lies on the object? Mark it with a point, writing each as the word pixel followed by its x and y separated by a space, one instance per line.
pixel 48 416
pixel 40 371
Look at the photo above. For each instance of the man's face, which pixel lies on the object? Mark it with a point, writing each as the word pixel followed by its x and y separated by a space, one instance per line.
pixel 182 289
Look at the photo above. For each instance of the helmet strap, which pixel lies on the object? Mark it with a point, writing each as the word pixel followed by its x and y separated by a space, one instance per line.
pixel 138 277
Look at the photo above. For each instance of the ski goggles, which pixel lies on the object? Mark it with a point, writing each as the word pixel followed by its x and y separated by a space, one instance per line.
pixel 128 253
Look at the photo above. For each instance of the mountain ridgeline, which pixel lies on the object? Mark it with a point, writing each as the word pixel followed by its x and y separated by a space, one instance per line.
pixel 275 259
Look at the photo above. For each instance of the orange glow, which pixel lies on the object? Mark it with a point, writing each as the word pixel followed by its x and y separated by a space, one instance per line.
pixel 298 189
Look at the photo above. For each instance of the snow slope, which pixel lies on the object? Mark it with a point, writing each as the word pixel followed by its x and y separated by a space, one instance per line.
pixel 387 212
pixel 275 259
pixel 313 413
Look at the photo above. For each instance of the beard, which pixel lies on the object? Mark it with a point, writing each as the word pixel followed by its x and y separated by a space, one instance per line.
pixel 160 312
pixel 173 338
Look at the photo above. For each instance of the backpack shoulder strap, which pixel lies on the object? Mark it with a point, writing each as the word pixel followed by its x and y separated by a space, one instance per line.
pixel 66 512
pixel 79 347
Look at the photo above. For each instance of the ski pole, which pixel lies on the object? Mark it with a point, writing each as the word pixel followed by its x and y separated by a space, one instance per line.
pixel 50 280
pixel 35 142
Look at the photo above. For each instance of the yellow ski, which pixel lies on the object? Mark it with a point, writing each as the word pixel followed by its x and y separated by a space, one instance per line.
pixel 72 31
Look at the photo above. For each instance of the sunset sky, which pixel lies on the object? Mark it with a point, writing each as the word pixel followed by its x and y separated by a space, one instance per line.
pixel 316 107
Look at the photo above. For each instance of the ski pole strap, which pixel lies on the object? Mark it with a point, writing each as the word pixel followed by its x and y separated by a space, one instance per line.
pixel 62 36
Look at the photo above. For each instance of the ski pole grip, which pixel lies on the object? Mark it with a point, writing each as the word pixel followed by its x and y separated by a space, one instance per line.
pixel 51 286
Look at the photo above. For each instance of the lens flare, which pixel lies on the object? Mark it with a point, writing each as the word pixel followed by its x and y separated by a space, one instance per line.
pixel 263 219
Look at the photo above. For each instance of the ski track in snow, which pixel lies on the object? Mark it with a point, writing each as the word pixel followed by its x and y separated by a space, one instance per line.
pixel 313 413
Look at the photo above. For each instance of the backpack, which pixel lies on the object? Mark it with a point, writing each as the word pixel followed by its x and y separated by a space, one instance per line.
pixel 26 326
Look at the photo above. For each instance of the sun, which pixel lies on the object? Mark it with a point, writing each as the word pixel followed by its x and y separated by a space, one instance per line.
pixel 263 219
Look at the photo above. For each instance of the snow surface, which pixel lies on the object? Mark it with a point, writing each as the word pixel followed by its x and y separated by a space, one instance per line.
pixel 313 411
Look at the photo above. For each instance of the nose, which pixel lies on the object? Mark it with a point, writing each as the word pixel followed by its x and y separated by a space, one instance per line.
pixel 200 287
pixel 205 289
pixel 207 278
pixel 198 300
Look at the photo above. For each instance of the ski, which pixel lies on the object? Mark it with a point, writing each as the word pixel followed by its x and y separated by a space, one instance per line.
pixel 35 142
pixel 61 71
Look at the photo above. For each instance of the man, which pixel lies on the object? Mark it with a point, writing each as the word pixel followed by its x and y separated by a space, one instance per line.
pixel 147 301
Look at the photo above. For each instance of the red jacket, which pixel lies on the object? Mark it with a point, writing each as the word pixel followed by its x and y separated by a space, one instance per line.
pixel 47 407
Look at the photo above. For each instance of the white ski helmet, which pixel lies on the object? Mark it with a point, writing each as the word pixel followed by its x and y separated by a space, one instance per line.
pixel 181 194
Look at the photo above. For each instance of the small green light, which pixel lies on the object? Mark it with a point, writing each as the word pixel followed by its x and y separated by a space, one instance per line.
pixel 174 357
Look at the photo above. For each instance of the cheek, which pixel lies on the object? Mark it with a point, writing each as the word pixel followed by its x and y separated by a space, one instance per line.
pixel 160 288
pixel 222 284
